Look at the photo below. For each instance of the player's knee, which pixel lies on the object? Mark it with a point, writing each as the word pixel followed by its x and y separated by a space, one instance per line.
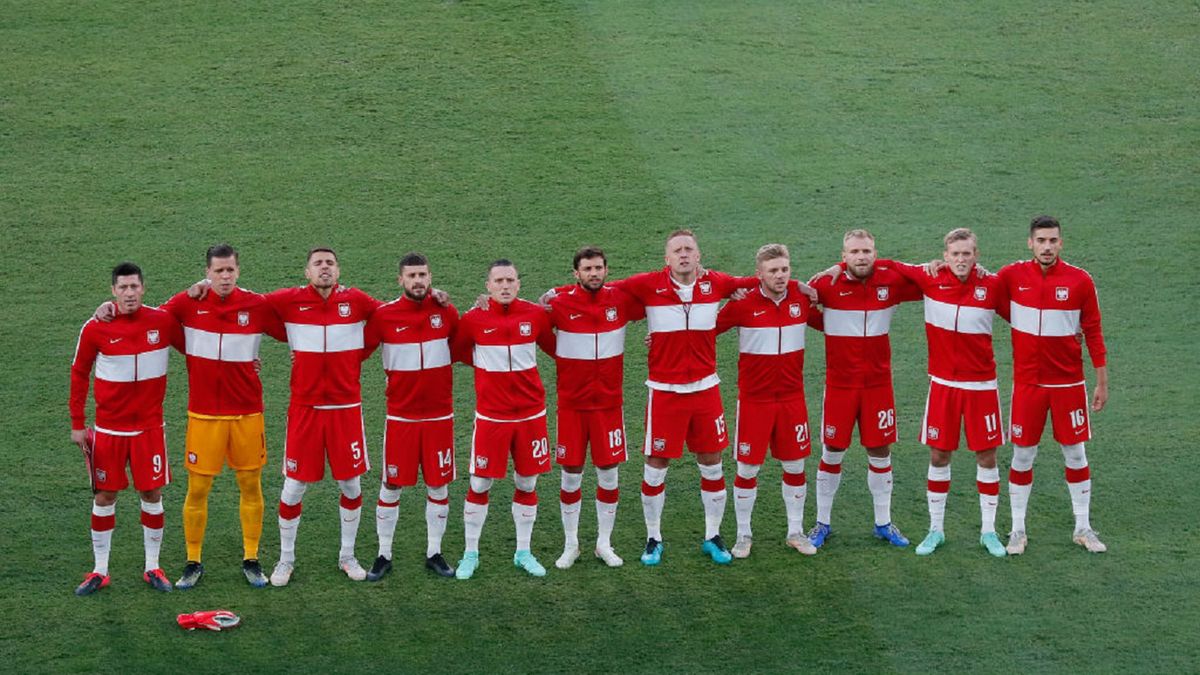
pixel 571 482
pixel 151 496
pixel 986 459
pixel 480 485
pixel 199 486
pixel 389 493
pixel 748 471
pixel 105 498
pixel 249 482
pixel 293 491
pixel 1074 456
pixel 351 488
pixel 711 471
pixel 832 455
pixel 440 493
pixel 881 451
pixel 654 475
pixel 940 458
pixel 524 483
pixel 606 478
pixel 793 466
pixel 1023 456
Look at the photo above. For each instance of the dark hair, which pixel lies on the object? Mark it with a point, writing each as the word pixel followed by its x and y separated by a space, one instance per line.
pixel 412 260
pixel 219 251
pixel 501 262
pixel 589 252
pixel 126 269
pixel 1044 223
pixel 320 249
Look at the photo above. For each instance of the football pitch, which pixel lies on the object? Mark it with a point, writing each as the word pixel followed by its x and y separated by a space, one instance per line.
pixel 477 130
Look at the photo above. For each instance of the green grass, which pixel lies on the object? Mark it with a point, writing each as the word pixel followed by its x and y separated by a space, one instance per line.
pixel 473 130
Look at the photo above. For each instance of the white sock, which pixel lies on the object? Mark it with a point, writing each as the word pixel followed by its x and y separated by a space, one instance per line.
pixel 474 516
pixel 879 482
pixel 1020 483
pixel 654 495
pixel 988 483
pixel 713 496
pixel 1079 483
pixel 606 505
pixel 936 493
pixel 351 511
pixel 437 511
pixel 152 536
pixel 387 512
pixel 290 504
pixel 103 517
pixel 745 492
pixel 795 490
pixel 829 477
pixel 570 503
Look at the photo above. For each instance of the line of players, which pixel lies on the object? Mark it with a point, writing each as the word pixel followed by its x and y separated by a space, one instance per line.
pixel 331 329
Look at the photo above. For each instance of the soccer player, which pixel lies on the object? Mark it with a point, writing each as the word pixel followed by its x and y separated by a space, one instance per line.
pixel 684 402
pixel 222 332
pixel 960 303
pixel 510 409
pixel 1051 302
pixel 415 331
pixel 858 305
pixel 771 410
pixel 130 359
pixel 590 319
pixel 325 325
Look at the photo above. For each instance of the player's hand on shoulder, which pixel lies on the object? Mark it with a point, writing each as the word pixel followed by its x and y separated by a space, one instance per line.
pixel 105 312
pixel 199 290
pixel 933 267
pixel 808 291
pixel 545 298
pixel 831 272
pixel 739 294
pixel 442 298
pixel 481 302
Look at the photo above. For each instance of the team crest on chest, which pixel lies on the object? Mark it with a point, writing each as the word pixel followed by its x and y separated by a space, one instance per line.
pixel 436 321
pixel 1060 293
pixel 980 293
pixel 525 328
pixel 610 313
pixel 881 293
pixel 243 318
pixel 794 310
pixel 705 287
pixel 152 337
pixel 343 309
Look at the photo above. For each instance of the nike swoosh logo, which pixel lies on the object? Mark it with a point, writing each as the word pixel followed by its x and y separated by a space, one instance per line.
pixel 401 328
pixel 304 309
pixel 760 312
pixel 575 316
pixel 202 311
pixel 1024 288
pixel 942 288
pixel 661 290
pixel 114 340
pixel 845 293
pixel 993 437
pixel 489 330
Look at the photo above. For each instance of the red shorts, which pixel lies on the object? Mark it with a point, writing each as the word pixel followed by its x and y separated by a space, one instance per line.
pixel 781 424
pixel 697 419
pixel 314 433
pixel 492 442
pixel 977 409
pixel 145 453
pixel 428 444
pixel 1068 407
pixel 873 408
pixel 603 430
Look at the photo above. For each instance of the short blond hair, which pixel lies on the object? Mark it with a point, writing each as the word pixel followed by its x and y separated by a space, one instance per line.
pixel 857 233
pixel 771 252
pixel 960 234
pixel 681 232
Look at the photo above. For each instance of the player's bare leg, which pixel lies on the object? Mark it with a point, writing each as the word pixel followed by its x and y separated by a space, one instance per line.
pixel 387 513
pixel 475 509
pixel 1079 483
pixel 936 491
pixel 829 478
pixel 607 495
pixel 879 482
pixel 104 508
pixel 654 477
pixel 713 496
pixel 1020 486
pixel 437 511
pixel 987 480
pixel 350 510
pixel 745 493
pixel 291 505
pixel 570 503
pixel 524 510
pixel 152 529
pixel 795 491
